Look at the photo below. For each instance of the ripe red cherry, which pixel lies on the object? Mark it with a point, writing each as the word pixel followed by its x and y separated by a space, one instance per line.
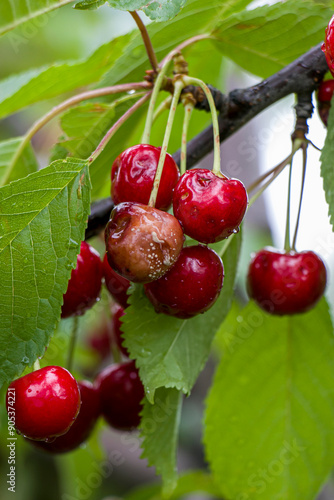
pixel 328 45
pixel 83 425
pixel 121 393
pixel 142 242
pixel 133 172
pixel 325 93
pixel 84 285
pixel 286 283
pixel 191 286
pixel 117 313
pixel 209 208
pixel 116 284
pixel 47 402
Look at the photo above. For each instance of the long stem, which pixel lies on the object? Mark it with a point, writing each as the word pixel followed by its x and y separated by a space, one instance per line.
pixel 73 341
pixel 166 103
pixel 287 245
pixel 72 101
pixel 178 87
pixel 147 41
pixel 195 81
pixel 116 126
pixel 188 109
pixel 260 179
pixel 301 196
pixel 185 44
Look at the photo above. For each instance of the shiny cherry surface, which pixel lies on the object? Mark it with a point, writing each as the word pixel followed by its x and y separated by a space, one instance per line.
pixel 209 208
pixel 328 45
pixel 121 393
pixel 83 425
pixel 117 312
pixel 286 283
pixel 84 285
pixel 191 286
pixel 47 402
pixel 142 242
pixel 133 172
pixel 116 284
pixel 324 97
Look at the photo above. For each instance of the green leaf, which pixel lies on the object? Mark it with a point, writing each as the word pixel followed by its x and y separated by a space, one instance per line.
pixel 161 10
pixel 34 85
pixel 269 418
pixel 171 352
pixel 14 13
pixel 327 169
pixel 26 164
pixel 89 4
pixel 266 39
pixel 160 429
pixel 42 224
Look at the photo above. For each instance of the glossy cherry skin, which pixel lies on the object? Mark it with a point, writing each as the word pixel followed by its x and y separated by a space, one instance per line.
pixel 209 208
pixel 142 242
pixel 47 402
pixel 328 45
pixel 133 172
pixel 116 284
pixel 324 97
pixel 121 394
pixel 83 425
pixel 286 283
pixel 117 313
pixel 191 286
pixel 85 283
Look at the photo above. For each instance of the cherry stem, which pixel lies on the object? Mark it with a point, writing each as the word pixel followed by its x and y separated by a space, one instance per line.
pixel 73 341
pixel 178 87
pixel 287 245
pixel 183 45
pixel 260 179
pixel 304 148
pixel 188 109
pixel 37 365
pixel 150 113
pixel 72 101
pixel 116 126
pixel 162 107
pixel 147 41
pixel 195 81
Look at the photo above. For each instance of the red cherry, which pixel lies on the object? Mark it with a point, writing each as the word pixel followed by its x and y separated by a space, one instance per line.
pixel 328 45
pixel 117 313
pixel 209 208
pixel 191 286
pixel 85 283
pixel 286 283
pixel 142 242
pixel 121 394
pixel 83 425
pixel 133 172
pixel 325 93
pixel 47 402
pixel 116 284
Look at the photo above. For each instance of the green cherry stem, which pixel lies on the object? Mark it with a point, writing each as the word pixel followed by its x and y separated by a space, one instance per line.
pixel 178 87
pixel 188 109
pixel 304 148
pixel 287 245
pixel 73 341
pixel 162 107
pixel 195 81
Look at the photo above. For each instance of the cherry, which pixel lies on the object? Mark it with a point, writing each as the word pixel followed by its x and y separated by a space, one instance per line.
pixel 286 283
pixel 121 394
pixel 191 286
pixel 83 425
pixel 209 207
pixel 325 93
pixel 328 45
pixel 142 242
pixel 100 341
pixel 116 284
pixel 117 313
pixel 47 402
pixel 84 285
pixel 133 172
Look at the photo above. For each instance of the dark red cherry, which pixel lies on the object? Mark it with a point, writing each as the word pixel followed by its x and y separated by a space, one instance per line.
pixel 47 402
pixel 83 425
pixel 209 208
pixel 84 285
pixel 117 312
pixel 324 97
pixel 328 45
pixel 286 283
pixel 116 284
pixel 191 286
pixel 133 172
pixel 121 394
pixel 142 242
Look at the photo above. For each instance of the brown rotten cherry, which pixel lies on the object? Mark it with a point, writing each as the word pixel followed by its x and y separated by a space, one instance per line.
pixel 142 242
